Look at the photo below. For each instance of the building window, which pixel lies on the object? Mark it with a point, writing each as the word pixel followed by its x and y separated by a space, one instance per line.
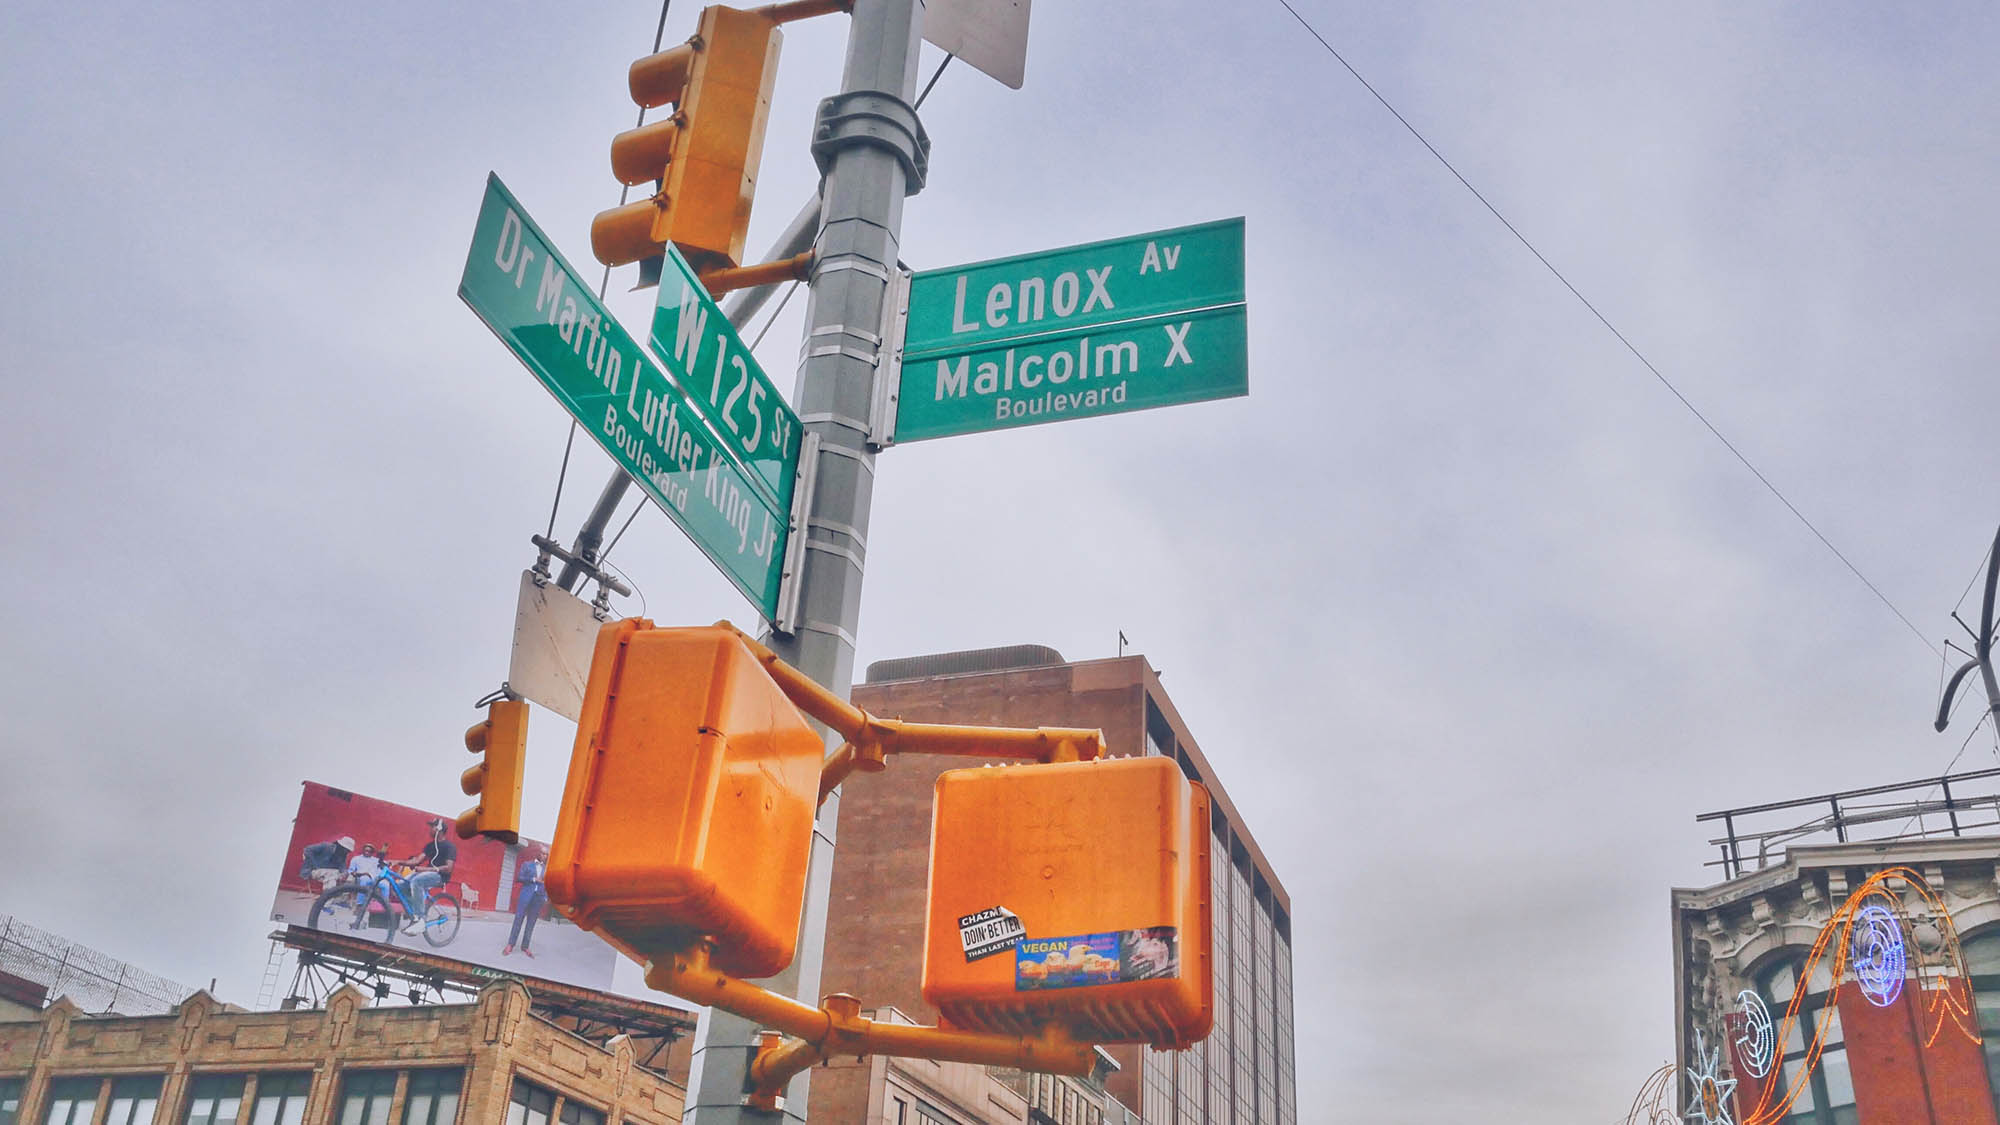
pixel 1826 1096
pixel 281 1099
pixel 365 1097
pixel 1982 961
pixel 433 1097
pixel 214 1099
pixel 73 1101
pixel 576 1113
pixel 134 1101
pixel 530 1105
pixel 10 1100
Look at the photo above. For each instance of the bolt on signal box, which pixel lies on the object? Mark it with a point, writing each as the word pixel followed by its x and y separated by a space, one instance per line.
pixel 1072 894
pixel 689 806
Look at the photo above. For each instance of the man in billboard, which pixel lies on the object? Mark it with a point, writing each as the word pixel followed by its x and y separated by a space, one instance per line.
pixel 530 899
pixel 433 863
pixel 325 862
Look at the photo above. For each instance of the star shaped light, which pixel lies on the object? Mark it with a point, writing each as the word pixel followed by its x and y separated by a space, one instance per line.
pixel 1711 1091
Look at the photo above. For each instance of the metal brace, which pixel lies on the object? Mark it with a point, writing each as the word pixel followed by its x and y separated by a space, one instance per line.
pixel 790 576
pixel 889 365
pixel 878 119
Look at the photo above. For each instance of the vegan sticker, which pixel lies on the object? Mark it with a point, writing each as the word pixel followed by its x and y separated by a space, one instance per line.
pixel 1087 959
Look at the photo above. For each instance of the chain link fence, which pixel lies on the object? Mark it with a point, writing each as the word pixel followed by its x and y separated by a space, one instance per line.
pixel 93 981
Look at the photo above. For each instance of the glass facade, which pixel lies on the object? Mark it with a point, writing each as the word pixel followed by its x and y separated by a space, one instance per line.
pixel 1982 961
pixel 365 1097
pixel 1826 1096
pixel 281 1099
pixel 215 1099
pixel 73 1101
pixel 432 1097
pixel 134 1101
pixel 530 1105
pixel 1243 1073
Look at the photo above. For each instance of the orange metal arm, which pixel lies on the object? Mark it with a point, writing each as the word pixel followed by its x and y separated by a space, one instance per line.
pixel 837 1029
pixel 798 267
pixel 802 9
pixel 870 739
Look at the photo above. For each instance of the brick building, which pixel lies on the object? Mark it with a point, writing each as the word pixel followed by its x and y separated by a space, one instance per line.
pixel 1902 1043
pixel 1243 1073
pixel 207 1064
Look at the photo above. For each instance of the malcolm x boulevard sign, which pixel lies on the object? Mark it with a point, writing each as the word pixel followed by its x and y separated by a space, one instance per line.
pixel 1130 323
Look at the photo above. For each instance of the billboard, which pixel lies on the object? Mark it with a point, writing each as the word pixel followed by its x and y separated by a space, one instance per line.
pixel 372 868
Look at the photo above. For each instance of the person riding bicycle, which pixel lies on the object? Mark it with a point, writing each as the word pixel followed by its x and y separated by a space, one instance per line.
pixel 434 863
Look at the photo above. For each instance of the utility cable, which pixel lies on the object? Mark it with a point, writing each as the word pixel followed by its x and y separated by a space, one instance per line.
pixel 1606 322
pixel 606 552
pixel 789 290
pixel 603 285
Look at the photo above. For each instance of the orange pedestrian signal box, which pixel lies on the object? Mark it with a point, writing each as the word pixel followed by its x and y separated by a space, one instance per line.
pixel 689 808
pixel 1072 894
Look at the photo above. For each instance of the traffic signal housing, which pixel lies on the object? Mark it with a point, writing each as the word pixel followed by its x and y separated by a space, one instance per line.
pixel 688 812
pixel 704 156
pixel 501 740
pixel 1073 895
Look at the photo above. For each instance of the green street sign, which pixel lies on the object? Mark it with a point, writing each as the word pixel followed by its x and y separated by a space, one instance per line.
pixel 1127 324
pixel 701 350
pixel 527 293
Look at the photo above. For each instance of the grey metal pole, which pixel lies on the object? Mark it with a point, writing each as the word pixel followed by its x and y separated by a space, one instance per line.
pixel 873 153
pixel 741 307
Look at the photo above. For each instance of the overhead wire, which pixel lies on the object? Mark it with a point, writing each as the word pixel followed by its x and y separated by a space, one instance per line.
pixel 603 286
pixel 1612 328
pixel 783 300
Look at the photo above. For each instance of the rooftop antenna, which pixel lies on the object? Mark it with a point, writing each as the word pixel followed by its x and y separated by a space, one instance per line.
pixel 1982 649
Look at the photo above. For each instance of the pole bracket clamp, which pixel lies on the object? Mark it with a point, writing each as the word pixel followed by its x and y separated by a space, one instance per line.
pixel 877 119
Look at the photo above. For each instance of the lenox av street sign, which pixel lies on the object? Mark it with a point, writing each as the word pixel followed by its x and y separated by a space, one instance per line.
pixel 1103 328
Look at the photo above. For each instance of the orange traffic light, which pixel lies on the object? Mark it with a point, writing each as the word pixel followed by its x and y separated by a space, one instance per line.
pixel 688 813
pixel 502 740
pixel 705 156
pixel 1072 895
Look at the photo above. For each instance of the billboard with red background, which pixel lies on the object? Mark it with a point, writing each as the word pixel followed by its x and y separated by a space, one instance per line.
pixel 504 923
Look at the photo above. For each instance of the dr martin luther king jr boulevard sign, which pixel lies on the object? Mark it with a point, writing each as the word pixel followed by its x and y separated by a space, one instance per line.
pixel 1103 328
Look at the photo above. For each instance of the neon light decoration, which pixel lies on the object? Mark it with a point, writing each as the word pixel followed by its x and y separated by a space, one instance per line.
pixel 1864 938
pixel 1653 1104
pixel 1875 947
pixel 1710 1104
pixel 1757 1044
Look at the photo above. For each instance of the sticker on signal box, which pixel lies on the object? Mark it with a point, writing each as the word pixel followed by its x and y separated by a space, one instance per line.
pixel 1087 959
pixel 986 932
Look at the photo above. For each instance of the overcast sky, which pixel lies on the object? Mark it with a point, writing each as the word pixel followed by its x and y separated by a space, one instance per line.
pixel 1470 615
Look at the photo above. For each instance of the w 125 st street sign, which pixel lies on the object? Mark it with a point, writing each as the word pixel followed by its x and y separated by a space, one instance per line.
pixel 1151 320
pixel 703 353
pixel 529 296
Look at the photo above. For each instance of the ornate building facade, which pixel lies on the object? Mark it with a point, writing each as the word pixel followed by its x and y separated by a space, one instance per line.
pixel 348 1063
pixel 1851 982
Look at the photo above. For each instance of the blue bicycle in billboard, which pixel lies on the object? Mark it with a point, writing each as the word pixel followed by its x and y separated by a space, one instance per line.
pixel 382 901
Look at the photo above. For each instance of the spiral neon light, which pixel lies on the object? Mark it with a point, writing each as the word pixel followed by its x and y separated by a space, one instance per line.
pixel 1756 1045
pixel 1876 951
